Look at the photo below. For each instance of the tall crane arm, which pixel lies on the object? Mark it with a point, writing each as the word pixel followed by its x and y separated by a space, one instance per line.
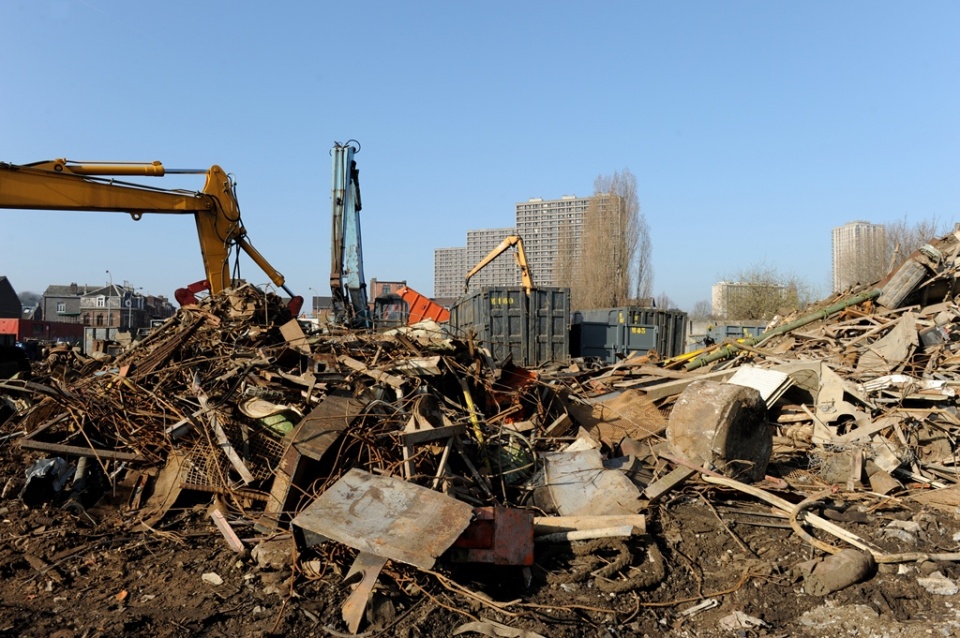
pixel 347 282
pixel 70 186
pixel 520 255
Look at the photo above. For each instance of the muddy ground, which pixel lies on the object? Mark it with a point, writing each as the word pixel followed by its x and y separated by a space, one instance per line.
pixel 75 574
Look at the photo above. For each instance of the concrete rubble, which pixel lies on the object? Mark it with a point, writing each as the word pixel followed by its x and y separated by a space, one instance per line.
pixel 392 462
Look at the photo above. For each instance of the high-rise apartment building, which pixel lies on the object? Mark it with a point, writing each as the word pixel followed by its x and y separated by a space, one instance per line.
pixel 859 254
pixel 449 271
pixel 541 223
pixel 502 271
pixel 549 228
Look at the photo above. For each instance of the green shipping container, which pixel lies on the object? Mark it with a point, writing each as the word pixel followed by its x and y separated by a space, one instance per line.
pixel 533 330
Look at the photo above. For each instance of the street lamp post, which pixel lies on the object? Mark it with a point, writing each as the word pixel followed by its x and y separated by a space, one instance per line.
pixel 130 308
pixel 107 299
pixel 314 302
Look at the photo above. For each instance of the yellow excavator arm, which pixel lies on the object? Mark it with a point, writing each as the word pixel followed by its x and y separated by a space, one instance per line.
pixel 513 240
pixel 72 186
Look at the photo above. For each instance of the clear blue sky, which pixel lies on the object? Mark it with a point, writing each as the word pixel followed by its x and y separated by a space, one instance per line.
pixel 753 128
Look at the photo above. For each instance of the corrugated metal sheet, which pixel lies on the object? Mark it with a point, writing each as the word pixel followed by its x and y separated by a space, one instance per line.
pixel 532 330
pixel 629 330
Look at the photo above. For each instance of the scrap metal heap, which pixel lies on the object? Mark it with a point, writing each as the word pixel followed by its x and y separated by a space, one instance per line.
pixel 409 449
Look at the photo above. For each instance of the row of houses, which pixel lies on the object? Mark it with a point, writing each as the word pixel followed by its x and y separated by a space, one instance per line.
pixel 79 314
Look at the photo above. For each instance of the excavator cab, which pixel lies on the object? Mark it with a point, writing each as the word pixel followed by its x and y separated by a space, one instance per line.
pixel 390 311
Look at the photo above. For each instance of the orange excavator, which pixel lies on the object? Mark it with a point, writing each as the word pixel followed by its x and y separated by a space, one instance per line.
pixel 91 186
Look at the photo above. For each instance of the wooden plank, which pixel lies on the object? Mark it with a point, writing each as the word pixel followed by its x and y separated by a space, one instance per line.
pixel 233 541
pixel 555 524
pixel 668 482
pixel 671 388
pixel 621 531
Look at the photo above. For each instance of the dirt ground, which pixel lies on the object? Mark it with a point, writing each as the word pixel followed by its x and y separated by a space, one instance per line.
pixel 65 575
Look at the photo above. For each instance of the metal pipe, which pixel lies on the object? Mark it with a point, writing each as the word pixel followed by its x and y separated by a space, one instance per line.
pixel 823 313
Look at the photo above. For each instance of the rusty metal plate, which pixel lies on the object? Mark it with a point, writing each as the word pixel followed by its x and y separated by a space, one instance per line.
pixel 388 517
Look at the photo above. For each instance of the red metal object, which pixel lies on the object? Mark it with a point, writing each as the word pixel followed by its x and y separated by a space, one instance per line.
pixel 420 307
pixel 296 303
pixel 22 329
pixel 498 535
pixel 188 296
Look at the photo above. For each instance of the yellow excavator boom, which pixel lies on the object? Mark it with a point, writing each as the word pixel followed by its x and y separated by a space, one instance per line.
pixel 520 255
pixel 89 186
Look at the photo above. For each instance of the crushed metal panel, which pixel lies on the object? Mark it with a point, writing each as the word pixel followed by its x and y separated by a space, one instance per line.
pixel 498 535
pixel 388 517
pixel 313 437
pixel 627 413
pixel 771 384
pixel 579 485
pixel 889 353
pixel 293 334
pixel 321 427
pixel 827 390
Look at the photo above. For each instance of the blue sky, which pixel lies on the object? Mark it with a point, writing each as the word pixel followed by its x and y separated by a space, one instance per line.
pixel 753 128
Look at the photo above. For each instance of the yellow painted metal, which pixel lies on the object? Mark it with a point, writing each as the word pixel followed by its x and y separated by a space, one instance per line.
pixel 513 240
pixel 61 185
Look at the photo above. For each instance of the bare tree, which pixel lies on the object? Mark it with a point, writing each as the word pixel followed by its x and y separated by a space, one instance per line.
pixel 702 309
pixel 612 266
pixel 602 269
pixel 904 237
pixel 664 302
pixel 761 292
pixel 29 299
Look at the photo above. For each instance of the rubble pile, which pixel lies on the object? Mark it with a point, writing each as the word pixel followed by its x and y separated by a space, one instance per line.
pixel 403 474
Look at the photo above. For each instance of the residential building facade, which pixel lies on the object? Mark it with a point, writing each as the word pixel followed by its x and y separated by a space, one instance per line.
pixel 552 232
pixel 122 308
pixel 449 271
pixel 381 288
pixel 549 226
pixel 62 303
pixel 859 254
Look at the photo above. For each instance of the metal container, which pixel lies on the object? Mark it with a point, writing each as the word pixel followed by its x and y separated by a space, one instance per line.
pixel 736 330
pixel 548 321
pixel 533 329
pixel 612 332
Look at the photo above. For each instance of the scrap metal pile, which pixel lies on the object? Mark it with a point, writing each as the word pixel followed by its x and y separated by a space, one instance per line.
pixel 409 448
